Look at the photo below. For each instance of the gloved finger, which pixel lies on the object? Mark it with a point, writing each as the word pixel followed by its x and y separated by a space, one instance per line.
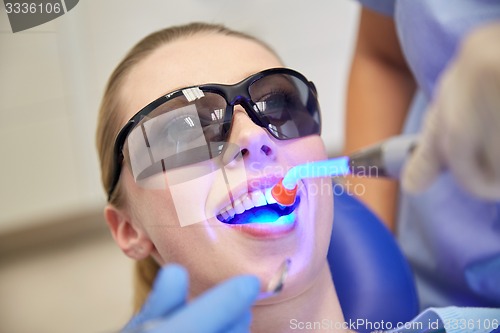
pixel 169 293
pixel 478 166
pixel 466 160
pixel 425 163
pixel 219 309
pixel 487 106
pixel 478 183
pixel 487 162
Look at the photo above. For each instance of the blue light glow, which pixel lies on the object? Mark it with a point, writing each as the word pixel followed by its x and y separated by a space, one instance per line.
pixel 334 167
pixel 269 216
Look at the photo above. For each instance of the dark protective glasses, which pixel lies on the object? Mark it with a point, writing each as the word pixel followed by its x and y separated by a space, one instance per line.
pixel 193 124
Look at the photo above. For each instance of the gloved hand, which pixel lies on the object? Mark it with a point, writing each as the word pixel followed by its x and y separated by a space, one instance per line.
pixel 462 128
pixel 224 308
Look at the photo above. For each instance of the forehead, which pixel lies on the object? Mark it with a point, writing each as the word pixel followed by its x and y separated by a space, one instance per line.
pixel 194 60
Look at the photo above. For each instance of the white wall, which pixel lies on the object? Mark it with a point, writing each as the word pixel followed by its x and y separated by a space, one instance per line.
pixel 79 286
pixel 52 77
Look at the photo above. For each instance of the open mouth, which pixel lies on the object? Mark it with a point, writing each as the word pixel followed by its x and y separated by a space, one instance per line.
pixel 255 207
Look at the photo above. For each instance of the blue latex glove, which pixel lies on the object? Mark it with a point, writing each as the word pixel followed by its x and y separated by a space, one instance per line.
pixel 224 308
pixel 461 129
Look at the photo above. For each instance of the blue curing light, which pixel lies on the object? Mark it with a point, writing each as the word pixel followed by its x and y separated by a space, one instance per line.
pixel 384 159
pixel 286 190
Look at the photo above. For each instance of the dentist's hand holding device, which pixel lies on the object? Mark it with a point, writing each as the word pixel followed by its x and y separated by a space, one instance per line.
pixel 461 133
pixel 462 130
pixel 384 159
pixel 224 308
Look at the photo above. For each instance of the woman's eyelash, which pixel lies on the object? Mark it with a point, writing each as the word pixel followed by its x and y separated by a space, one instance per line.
pixel 275 91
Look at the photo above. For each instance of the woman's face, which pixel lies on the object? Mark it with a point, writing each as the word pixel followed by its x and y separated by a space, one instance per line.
pixel 210 249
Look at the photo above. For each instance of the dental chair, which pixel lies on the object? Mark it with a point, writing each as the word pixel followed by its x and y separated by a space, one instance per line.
pixel 373 280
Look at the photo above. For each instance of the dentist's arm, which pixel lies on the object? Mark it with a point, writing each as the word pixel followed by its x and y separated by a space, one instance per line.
pixel 379 93
pixel 224 308
pixel 462 129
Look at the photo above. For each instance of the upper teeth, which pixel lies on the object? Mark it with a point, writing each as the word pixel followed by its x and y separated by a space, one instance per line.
pixel 246 202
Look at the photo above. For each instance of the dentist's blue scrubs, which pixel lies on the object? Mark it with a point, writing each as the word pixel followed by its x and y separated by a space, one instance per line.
pixel 451 238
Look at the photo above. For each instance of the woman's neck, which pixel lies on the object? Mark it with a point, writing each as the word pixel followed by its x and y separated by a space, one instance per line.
pixel 315 310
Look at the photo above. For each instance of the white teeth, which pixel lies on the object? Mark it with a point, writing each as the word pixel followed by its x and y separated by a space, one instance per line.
pixel 229 211
pixel 247 202
pixel 238 206
pixel 224 214
pixel 269 197
pixel 258 198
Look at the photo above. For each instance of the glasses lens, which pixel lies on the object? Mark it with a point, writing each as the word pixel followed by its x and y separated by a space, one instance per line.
pixel 192 127
pixel 182 131
pixel 287 105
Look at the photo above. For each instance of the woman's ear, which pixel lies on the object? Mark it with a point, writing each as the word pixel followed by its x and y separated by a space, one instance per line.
pixel 130 238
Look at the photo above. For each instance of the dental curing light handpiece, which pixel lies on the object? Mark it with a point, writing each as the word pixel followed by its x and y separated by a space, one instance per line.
pixel 384 159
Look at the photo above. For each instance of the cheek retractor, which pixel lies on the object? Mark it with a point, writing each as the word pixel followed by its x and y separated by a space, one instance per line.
pixel 385 159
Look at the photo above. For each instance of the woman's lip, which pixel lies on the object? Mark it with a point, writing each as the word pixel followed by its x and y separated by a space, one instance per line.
pixel 267 230
pixel 271 230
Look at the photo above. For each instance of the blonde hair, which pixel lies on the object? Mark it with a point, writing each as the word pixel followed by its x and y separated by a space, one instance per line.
pixel 109 124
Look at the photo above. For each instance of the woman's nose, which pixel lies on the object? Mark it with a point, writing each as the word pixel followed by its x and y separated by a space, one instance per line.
pixel 254 142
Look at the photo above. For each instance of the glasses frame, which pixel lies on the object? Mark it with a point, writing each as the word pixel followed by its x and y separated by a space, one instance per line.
pixel 234 94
